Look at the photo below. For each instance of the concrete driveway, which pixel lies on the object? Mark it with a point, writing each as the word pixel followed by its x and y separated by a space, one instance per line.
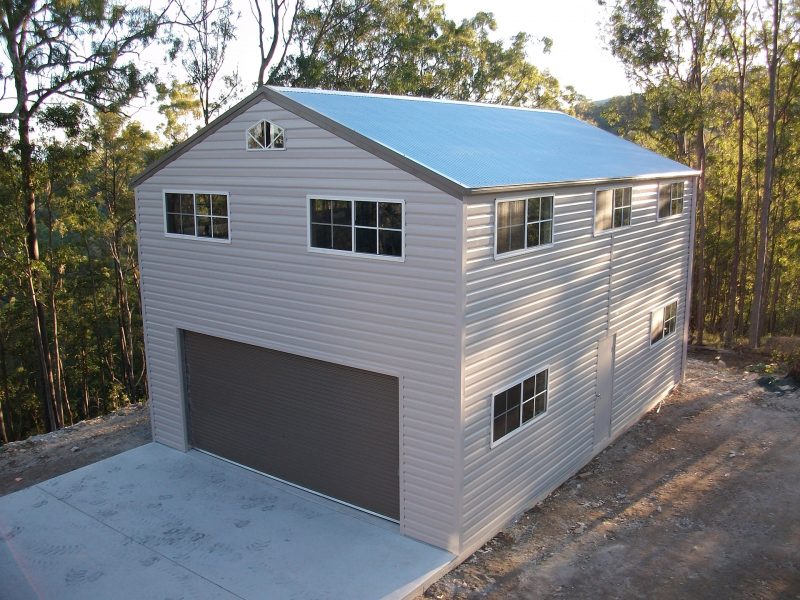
pixel 157 523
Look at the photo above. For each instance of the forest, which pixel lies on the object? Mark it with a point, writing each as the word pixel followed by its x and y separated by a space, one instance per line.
pixel 718 90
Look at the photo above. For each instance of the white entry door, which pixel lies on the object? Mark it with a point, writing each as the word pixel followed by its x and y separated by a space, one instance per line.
pixel 604 390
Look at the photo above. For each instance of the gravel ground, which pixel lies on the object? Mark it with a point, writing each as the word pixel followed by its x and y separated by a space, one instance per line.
pixel 44 456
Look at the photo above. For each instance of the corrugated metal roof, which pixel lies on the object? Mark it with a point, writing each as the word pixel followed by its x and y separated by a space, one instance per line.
pixel 487 145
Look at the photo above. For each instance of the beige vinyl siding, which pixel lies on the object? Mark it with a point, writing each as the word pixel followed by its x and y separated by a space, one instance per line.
pixel 650 269
pixel 549 307
pixel 267 289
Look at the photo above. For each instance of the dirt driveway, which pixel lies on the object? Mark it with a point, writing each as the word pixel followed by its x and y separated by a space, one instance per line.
pixel 699 500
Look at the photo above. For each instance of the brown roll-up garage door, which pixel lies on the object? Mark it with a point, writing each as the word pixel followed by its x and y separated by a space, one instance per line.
pixel 326 427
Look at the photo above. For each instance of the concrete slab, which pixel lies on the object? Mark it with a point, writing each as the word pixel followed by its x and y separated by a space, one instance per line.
pixel 157 523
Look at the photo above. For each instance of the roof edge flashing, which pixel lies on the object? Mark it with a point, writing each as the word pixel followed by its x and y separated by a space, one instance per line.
pixel 521 187
pixel 282 89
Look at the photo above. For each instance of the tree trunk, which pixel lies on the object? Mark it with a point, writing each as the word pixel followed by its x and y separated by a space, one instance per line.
pixel 98 337
pixel 733 288
pixel 45 372
pixel 4 438
pixel 58 374
pixel 55 281
pixel 769 168
pixel 84 382
pixel 700 266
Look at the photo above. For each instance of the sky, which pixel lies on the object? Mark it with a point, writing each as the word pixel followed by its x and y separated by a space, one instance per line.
pixel 578 56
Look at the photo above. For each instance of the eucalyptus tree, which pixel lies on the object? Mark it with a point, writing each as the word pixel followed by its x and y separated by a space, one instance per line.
pixel 735 21
pixel 54 50
pixel 206 28
pixel 780 35
pixel 411 47
pixel 671 48
pixel 275 20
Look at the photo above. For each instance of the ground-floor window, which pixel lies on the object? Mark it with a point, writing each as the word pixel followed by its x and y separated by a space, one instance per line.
pixel 519 404
pixel 663 322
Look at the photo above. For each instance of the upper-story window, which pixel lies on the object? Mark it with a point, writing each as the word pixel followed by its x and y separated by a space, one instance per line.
pixel 663 322
pixel 523 224
pixel 670 199
pixel 612 208
pixel 265 136
pixel 367 227
pixel 195 214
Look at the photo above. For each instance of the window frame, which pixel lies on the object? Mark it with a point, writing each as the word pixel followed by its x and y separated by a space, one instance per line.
pixel 194 193
pixel 612 229
pixel 523 426
pixel 353 200
pixel 658 199
pixel 526 249
pixel 662 307
pixel 269 149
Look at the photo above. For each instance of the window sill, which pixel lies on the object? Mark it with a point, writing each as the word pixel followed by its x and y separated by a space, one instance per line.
pixel 197 238
pixel 671 217
pixel 611 231
pixel 522 251
pixel 351 254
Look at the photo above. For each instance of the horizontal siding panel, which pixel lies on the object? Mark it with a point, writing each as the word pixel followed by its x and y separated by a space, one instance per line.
pixel 550 306
pixel 266 288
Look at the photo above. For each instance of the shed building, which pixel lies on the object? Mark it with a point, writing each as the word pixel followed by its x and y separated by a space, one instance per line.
pixel 434 311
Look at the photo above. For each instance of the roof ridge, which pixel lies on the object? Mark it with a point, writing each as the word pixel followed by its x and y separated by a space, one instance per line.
pixel 282 89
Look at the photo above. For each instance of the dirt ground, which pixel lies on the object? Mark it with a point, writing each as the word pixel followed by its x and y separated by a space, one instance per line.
pixel 700 499
pixel 44 456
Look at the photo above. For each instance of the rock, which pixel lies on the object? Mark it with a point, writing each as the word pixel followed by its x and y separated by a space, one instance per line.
pixel 74 449
pixel 578 528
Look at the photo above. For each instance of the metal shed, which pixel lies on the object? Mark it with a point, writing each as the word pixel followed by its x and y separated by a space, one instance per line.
pixel 435 311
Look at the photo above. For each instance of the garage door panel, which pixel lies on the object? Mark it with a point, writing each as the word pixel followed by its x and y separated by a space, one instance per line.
pixel 326 427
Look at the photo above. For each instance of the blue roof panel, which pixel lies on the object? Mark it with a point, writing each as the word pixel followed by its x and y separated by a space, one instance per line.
pixel 487 145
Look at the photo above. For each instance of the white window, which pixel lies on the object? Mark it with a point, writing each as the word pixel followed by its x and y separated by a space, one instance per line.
pixel 520 404
pixel 612 208
pixel 670 199
pixel 368 227
pixel 524 223
pixel 663 322
pixel 265 136
pixel 197 214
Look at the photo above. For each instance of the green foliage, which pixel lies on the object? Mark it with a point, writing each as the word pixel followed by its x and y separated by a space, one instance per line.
pixel 201 43
pixel 88 246
pixel 411 47
pixel 639 37
pixel 180 107
pixel 687 56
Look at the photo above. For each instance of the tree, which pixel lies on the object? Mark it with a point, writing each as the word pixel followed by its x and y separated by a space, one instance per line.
pixel 739 48
pixel 209 30
pixel 677 60
pixel 775 54
pixel 411 47
pixel 178 102
pixel 120 153
pixel 273 32
pixel 70 50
